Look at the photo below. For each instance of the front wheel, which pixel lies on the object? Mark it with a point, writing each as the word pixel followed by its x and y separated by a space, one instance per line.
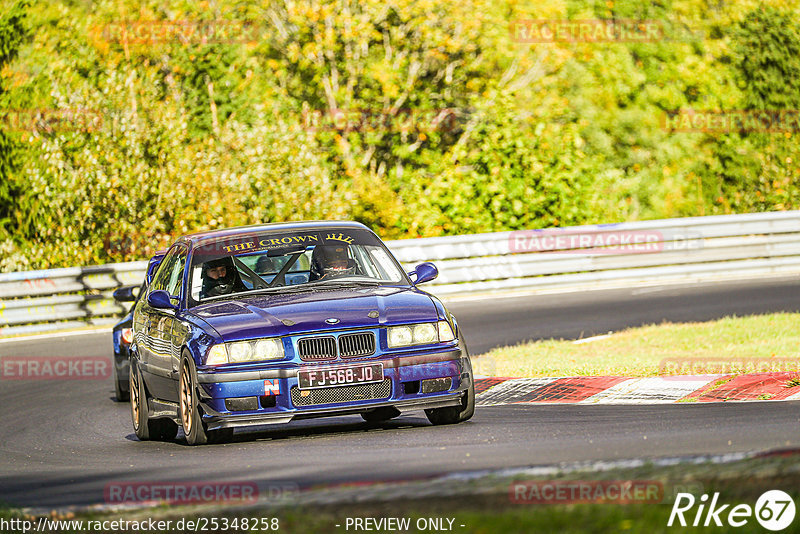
pixel 145 428
pixel 454 414
pixel 194 428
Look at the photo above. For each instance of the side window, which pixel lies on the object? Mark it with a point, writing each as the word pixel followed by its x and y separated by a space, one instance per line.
pixel 168 277
pixel 176 276
pixel 162 274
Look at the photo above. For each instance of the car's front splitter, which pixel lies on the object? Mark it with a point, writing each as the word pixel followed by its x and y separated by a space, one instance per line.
pixel 218 420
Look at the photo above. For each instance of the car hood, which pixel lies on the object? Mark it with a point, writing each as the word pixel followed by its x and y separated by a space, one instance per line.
pixel 295 313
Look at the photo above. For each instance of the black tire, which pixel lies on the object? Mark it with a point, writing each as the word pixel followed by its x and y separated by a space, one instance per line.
pixel 379 415
pixel 121 392
pixel 195 430
pixel 454 414
pixel 145 428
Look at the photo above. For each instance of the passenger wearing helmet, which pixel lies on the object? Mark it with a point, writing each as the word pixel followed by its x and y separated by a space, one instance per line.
pixel 264 265
pixel 220 277
pixel 330 261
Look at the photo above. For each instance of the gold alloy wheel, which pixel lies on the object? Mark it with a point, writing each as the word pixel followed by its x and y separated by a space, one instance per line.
pixel 186 401
pixel 134 386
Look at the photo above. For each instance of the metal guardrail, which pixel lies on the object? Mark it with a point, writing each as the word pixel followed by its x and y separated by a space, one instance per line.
pixel 64 298
pixel 688 249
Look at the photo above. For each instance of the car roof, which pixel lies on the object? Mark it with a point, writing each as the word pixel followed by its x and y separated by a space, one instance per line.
pixel 209 236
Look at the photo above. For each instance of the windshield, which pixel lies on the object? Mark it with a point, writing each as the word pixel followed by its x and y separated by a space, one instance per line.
pixel 275 261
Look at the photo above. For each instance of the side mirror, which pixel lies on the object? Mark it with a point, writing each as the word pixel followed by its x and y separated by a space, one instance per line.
pixel 160 299
pixel 125 294
pixel 425 272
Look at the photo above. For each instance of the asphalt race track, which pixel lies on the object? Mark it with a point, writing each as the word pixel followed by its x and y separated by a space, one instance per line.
pixel 61 442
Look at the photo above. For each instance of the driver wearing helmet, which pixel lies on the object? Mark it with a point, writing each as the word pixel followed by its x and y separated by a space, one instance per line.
pixel 220 277
pixel 330 261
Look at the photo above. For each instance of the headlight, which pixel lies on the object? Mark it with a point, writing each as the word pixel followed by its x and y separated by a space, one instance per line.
pixel 256 350
pixel 217 355
pixel 400 336
pixel 425 333
pixel 241 351
pixel 419 334
pixel 268 349
pixel 445 331
pixel 127 335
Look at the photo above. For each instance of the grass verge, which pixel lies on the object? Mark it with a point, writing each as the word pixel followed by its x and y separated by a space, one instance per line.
pixel 641 351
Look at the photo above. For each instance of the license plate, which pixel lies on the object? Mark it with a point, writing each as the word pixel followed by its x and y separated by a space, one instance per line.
pixel 329 377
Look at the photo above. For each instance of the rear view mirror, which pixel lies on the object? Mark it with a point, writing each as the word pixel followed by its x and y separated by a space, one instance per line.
pixel 285 251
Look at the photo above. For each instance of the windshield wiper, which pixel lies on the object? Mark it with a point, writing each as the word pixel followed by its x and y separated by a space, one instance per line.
pixel 296 288
pixel 348 282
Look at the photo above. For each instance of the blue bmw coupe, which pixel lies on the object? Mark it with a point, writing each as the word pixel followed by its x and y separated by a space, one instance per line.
pixel 266 324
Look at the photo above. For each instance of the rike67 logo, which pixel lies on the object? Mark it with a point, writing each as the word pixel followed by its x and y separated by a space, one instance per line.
pixel 774 510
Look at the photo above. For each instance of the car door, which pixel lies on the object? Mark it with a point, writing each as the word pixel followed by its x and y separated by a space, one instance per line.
pixel 176 330
pixel 159 354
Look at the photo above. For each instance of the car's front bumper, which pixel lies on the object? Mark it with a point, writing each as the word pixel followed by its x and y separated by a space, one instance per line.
pixel 410 369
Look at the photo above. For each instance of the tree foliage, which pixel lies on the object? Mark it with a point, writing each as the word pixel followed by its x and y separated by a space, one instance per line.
pixel 416 117
pixel 758 170
pixel 13 32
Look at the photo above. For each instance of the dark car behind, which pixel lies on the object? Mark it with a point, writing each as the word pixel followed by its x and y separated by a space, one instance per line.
pixel 122 333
